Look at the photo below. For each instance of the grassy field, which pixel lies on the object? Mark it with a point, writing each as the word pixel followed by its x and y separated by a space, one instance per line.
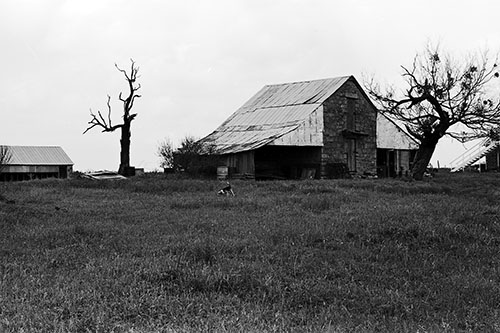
pixel 153 254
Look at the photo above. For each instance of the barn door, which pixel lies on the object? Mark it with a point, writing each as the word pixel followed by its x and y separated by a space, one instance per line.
pixel 351 155
pixel 391 163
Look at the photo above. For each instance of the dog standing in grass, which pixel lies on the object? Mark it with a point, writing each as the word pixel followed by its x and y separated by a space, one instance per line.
pixel 226 191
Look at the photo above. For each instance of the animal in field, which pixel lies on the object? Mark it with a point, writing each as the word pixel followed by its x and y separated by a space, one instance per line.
pixel 226 191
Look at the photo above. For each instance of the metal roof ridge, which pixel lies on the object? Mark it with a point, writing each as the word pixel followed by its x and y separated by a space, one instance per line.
pixel 309 81
pixel 278 106
pixel 31 146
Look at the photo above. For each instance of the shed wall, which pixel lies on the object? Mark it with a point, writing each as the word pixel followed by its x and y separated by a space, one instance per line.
pixel 31 169
pixel 25 172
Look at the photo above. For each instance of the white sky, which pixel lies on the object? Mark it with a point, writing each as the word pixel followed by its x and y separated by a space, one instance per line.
pixel 200 60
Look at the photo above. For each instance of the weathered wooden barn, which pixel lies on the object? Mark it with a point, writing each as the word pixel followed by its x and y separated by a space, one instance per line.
pixel 35 162
pixel 312 129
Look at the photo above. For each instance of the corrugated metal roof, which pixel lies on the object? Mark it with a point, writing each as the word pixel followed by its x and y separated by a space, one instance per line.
pixel 38 155
pixel 271 116
pixel 231 141
pixel 271 113
pixel 305 92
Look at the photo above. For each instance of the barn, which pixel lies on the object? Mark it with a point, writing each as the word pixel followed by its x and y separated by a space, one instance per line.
pixel 36 162
pixel 311 129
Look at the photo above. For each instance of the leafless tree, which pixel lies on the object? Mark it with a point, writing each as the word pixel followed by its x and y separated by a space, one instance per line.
pixel 5 157
pixel 440 93
pixel 165 151
pixel 105 123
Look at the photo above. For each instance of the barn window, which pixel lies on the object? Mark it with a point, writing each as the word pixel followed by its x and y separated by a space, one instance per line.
pixel 351 114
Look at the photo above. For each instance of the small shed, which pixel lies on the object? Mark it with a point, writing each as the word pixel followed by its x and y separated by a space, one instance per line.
pixel 36 162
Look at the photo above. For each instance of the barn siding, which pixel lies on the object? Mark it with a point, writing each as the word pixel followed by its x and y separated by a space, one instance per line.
pixel 240 164
pixel 309 133
pixel 391 136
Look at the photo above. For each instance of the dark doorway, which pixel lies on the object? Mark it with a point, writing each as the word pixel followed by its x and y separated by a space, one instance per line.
pixel 386 163
pixel 63 171
pixel 285 162
pixel 351 154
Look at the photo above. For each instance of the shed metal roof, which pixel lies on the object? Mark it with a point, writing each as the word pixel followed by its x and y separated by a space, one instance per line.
pixel 38 155
pixel 271 113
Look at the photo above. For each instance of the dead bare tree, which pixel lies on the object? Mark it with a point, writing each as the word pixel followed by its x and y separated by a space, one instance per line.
pixel 5 157
pixel 106 124
pixel 440 93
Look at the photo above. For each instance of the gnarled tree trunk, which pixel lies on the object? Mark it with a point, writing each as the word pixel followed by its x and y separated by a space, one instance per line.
pixel 125 150
pixel 423 157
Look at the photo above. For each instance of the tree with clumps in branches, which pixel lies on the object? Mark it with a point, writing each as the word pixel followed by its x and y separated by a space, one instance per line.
pixel 106 125
pixel 440 93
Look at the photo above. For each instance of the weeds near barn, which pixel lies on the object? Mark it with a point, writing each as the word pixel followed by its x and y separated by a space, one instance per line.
pixel 156 254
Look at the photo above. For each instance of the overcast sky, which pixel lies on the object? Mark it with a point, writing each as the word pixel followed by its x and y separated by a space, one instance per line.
pixel 200 60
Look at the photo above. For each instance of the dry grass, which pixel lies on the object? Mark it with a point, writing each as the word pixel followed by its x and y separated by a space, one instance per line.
pixel 164 255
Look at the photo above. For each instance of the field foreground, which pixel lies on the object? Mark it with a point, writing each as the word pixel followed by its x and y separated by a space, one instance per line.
pixel 153 254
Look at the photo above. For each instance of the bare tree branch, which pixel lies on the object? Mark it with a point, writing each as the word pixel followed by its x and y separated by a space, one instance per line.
pixel 453 92
pixel 98 120
pixel 106 125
